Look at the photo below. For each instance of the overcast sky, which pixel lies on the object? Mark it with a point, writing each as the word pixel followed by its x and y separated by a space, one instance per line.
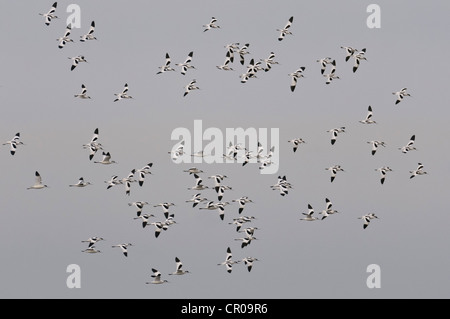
pixel 42 230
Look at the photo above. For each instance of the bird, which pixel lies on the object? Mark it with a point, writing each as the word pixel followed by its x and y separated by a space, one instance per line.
pixel 309 214
pixel 139 205
pixel 193 170
pixel 123 94
pixel 295 143
pixel 157 278
pixel 349 51
pixel 38 184
pixel 83 94
pixel 158 227
pixel 368 119
pixel 186 64
pixel 323 64
pixel 240 221
pixel 220 190
pixel 375 145
pixel 142 172
pixel 246 240
pixel 284 31
pixel 144 219
pixel 334 133
pixel 106 159
pixel 13 143
pixel 418 171
pixel 409 146
pixel 282 185
pixel 89 36
pixel 220 206
pixel 126 181
pixel 248 261
pixel 179 151
pixel 225 66
pixel 242 201
pixel 179 268
pixel 92 241
pixel 400 95
pixel 331 76
pixel 211 25
pixel 76 60
pixel 93 145
pixel 228 262
pixel 358 58
pixel 295 76
pixel 50 14
pixel 91 250
pixel 334 169
pixel 166 67
pixel 242 51
pixel 383 170
pixel 165 206
pixel 190 87
pixel 81 183
pixel 198 183
pixel 124 248
pixel 269 61
pixel 65 38
pixel 196 199
pixel 328 209
pixel 366 218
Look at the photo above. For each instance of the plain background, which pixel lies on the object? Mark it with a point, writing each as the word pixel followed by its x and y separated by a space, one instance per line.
pixel 42 229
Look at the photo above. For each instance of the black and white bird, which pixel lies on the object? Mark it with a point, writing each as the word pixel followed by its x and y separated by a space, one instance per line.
pixel 113 181
pixel 409 146
pixel 144 218
pixel 124 248
pixel 83 94
pixel 418 171
pixel 186 64
pixel 359 56
pixel 193 170
pixel 295 76
pixel 331 76
pixel 13 143
pixel 400 95
pixel 50 14
pixel 269 61
pixel 334 133
pixel 142 172
pixel 93 145
pixel 295 143
pixel 228 262
pixel 282 185
pixel 198 183
pixel 106 160
pixel 349 52
pixel 191 86
pixel 92 240
pixel 211 25
pixel 383 170
pixel 286 30
pixel 76 60
pixel 165 206
pixel 375 145
pixel 242 51
pixel 178 152
pixel 159 226
pixel 179 268
pixel 91 250
pixel 80 183
pixel 242 201
pixel 123 94
pixel 90 35
pixel 367 218
pixel 166 67
pixel 65 38
pixel 334 169
pixel 139 205
pixel 196 199
pixel 248 261
pixel 368 119
pixel 309 215
pixel 38 182
pixel 328 209
pixel 324 62
pixel 226 64
pixel 156 278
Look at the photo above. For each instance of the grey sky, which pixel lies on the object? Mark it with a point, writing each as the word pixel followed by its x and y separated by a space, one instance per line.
pixel 42 229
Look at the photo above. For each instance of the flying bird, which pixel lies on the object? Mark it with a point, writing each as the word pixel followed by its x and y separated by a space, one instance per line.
pixel 156 278
pixel 190 87
pixel 92 241
pixel 228 261
pixel 186 64
pixel 334 169
pixel 383 170
pixel 50 14
pixel 211 25
pixel 368 119
pixel 179 268
pixel 106 159
pixel 124 248
pixel 166 67
pixel 76 60
pixel 295 143
pixel 90 35
pixel 400 95
pixel 82 95
pixel 409 147
pixel 65 38
pixel 38 182
pixel 123 94
pixel 334 133
pixel 295 76
pixel 375 145
pixel 286 30
pixel 13 143
pixel 418 171
pixel 81 183
pixel 323 64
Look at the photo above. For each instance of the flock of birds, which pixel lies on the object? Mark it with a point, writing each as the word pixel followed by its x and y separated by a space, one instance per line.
pixel 219 190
